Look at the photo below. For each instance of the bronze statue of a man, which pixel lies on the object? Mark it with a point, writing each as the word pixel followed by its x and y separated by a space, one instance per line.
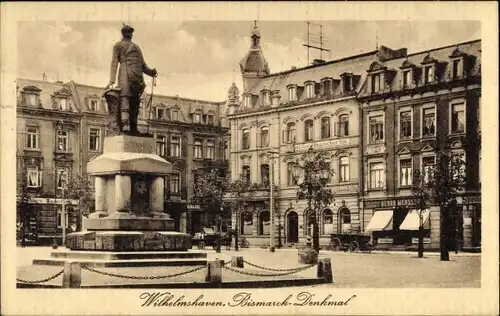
pixel 130 80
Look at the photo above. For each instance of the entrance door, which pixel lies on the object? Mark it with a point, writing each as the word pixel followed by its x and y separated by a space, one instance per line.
pixel 292 224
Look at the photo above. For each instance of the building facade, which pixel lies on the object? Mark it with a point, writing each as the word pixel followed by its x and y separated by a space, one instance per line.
pixel 413 107
pixel 378 116
pixel 61 127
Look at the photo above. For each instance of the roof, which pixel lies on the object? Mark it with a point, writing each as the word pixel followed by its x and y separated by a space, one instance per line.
pixel 46 90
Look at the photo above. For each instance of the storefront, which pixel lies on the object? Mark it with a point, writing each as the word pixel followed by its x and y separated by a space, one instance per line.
pixel 470 205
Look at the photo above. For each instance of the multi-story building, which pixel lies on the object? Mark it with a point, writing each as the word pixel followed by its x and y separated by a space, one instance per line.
pixel 413 107
pixel 279 118
pixel 61 127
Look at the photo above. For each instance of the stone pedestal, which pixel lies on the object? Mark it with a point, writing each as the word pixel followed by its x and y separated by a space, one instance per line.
pixel 308 255
pixel 129 192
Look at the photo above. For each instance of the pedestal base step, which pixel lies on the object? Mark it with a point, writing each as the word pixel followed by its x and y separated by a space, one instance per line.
pixel 123 263
pixel 129 255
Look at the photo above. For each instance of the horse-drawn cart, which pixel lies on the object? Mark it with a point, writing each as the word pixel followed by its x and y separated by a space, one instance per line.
pixel 350 243
pixel 208 237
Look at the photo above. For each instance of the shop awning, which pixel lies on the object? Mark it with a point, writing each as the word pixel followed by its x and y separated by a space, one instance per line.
pixel 381 220
pixel 412 220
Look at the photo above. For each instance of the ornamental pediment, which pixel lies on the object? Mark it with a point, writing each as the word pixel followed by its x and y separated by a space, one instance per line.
pixel 404 151
pixel 427 148
pixel 32 89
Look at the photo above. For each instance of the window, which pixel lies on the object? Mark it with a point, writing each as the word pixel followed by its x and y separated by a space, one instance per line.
pixel 175 115
pixel 62 178
pixel 210 149
pixel 62 104
pixel 226 150
pixel 376 83
pixel 175 184
pixel 327 87
pixel 197 118
pixel 405 172
pixel 246 173
pixel 347 83
pixel 291 181
pixel 327 222
pixel 94 139
pixel 377 175
pixel 34 177
pixel 308 130
pixel 264 137
pixel 245 139
pixel 407 78
pixel 210 119
pixel 455 74
pixel 309 91
pixel 264 223
pixel 160 112
pixel 457 118
pixel 376 128
pixel 264 174
pixel 32 138
pixel 276 99
pixel 405 125
pixel 344 169
pixel 266 98
pixel 246 101
pixel 198 149
pixel 161 145
pixel 325 127
pixel 246 223
pixel 59 218
pixel 292 94
pixel 460 171
pixel 175 146
pixel 62 140
pixel 343 125
pixel 31 99
pixel 429 74
pixel 290 133
pixel 429 122
pixel 428 168
pixel 94 105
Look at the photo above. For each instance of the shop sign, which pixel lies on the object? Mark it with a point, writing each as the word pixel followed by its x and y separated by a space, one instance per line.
pixel 475 199
pixel 385 240
pixel 389 203
pixel 427 240
pixel 323 144
pixel 51 201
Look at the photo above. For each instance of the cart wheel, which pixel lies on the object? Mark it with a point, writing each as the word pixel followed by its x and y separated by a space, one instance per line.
pixel 334 245
pixel 201 245
pixel 353 246
pixel 215 247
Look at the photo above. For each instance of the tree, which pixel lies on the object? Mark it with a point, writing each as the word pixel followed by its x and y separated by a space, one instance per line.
pixel 421 192
pixel 239 192
pixel 208 193
pixel 314 187
pixel 25 210
pixel 446 182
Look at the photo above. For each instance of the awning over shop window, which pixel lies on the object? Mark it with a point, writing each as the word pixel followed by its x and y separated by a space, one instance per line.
pixel 381 220
pixel 412 220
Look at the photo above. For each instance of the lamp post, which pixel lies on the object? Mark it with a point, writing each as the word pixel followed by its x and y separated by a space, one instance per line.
pixel 63 208
pixel 271 204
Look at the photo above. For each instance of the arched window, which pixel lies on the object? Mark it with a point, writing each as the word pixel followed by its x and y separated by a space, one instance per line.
pixel 308 130
pixel 289 134
pixel 344 169
pixel 246 224
pixel 327 222
pixel 344 220
pixel 245 139
pixel 264 137
pixel 325 127
pixel 264 223
pixel 264 174
pixel 342 128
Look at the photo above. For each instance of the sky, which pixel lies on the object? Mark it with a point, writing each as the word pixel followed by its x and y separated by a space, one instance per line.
pixel 200 59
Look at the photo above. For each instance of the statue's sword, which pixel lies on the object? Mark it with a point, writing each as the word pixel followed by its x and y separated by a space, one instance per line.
pixel 150 104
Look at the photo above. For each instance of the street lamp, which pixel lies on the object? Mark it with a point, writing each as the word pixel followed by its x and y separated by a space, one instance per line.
pixel 63 207
pixel 271 204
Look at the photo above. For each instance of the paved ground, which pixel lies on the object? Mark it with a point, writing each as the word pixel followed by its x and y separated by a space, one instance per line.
pixel 375 270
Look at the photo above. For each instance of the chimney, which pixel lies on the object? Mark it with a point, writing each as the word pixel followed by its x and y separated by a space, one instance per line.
pixel 318 62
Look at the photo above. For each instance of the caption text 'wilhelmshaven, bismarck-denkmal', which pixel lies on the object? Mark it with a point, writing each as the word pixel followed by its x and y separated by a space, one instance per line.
pixel 241 299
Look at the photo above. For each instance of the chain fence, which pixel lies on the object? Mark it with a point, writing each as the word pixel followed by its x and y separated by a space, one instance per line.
pixel 41 281
pixel 273 269
pixel 257 274
pixel 142 277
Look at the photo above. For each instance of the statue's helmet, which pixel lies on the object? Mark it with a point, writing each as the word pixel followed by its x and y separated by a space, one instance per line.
pixel 127 29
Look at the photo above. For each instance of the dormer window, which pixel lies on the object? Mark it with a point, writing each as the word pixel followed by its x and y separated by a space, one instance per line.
pixel 62 104
pixel 346 82
pixel 31 99
pixel 93 105
pixel 247 101
pixel 310 90
pixel 175 115
pixel 376 83
pixel 276 98
pixel 456 66
pixel 31 96
pixel 266 98
pixel 429 74
pixel 407 78
pixel 160 112
pixel 292 93
pixel 326 86
pixel 197 118
pixel 210 119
